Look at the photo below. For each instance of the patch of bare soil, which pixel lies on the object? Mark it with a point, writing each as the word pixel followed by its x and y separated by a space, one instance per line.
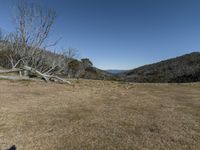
pixel 99 115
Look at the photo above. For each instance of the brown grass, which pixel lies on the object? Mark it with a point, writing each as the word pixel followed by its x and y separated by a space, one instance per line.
pixel 99 115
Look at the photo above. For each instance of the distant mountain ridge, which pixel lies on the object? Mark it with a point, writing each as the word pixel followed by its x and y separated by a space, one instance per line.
pixel 184 68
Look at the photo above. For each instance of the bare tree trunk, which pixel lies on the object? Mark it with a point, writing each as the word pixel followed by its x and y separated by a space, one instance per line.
pixel 33 71
pixel 10 71
pixel 14 78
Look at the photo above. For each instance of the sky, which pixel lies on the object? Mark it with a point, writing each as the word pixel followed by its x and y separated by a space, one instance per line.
pixel 121 34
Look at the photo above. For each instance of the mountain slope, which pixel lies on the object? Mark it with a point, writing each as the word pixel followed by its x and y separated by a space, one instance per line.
pixel 185 68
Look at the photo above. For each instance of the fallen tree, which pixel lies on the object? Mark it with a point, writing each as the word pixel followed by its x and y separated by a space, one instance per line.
pixel 33 72
pixel 45 76
pixel 16 78
pixel 10 71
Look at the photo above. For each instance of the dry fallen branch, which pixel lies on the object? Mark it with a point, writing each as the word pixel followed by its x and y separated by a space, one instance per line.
pixel 44 76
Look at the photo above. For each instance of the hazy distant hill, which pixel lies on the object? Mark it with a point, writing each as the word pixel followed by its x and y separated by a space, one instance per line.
pixel 185 68
pixel 115 71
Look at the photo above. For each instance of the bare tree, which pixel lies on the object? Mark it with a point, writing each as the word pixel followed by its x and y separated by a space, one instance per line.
pixel 68 55
pixel 59 63
pixel 1 34
pixel 11 49
pixel 26 45
pixel 33 25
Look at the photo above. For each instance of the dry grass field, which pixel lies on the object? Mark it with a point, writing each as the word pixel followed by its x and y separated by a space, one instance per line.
pixel 94 115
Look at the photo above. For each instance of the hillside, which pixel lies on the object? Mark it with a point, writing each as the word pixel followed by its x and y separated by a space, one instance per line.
pixel 185 68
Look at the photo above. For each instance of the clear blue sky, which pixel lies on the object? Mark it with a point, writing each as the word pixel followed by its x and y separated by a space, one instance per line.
pixel 122 34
